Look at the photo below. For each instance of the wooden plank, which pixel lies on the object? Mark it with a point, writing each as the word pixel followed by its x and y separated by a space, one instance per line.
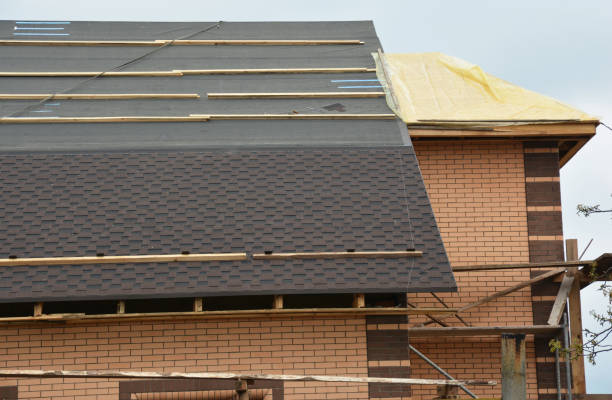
pixel 101 120
pixel 481 330
pixel 198 304
pixel 38 309
pixel 337 254
pixel 190 118
pixel 145 258
pixel 121 307
pixel 222 375
pixel 278 302
pixel 246 71
pixel 513 366
pixel 359 300
pixel 511 289
pixel 295 116
pixel 267 313
pixel 97 96
pixel 439 130
pixel 554 264
pixel 295 95
pixel 50 74
pixel 184 42
pixel 575 321
pixel 561 300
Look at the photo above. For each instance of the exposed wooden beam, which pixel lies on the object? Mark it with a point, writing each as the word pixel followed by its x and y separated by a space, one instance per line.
pixel 145 258
pixel 555 264
pixel 359 300
pixel 221 375
pixel 101 120
pixel 198 304
pixel 513 366
pixel 248 71
pixel 572 151
pixel 481 330
pixel 561 300
pixel 97 96
pixel 121 307
pixel 61 74
pixel 337 254
pixel 267 313
pixel 295 95
pixel 511 289
pixel 38 309
pixel 183 42
pixel 278 302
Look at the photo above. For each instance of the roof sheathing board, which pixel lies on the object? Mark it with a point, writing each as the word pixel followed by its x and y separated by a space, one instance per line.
pixel 132 192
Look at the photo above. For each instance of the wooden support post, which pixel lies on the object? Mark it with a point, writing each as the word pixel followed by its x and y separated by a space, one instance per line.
pixel 278 301
pixel 514 385
pixel 358 300
pixel 561 300
pixel 575 320
pixel 121 307
pixel 242 390
pixel 38 309
pixel 198 304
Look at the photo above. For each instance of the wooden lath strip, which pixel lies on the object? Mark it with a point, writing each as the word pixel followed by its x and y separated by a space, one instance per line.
pixel 91 120
pixel 184 42
pixel 481 330
pixel 190 118
pixel 241 71
pixel 181 72
pixel 551 264
pixel 97 96
pixel 147 258
pixel 337 254
pixel 296 95
pixel 226 314
pixel 81 74
pixel 296 116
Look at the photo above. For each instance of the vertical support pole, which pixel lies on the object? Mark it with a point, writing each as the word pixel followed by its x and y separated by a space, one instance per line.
pixel 198 304
pixel 575 319
pixel 359 300
pixel 242 390
pixel 38 309
pixel 121 307
pixel 568 365
pixel 278 301
pixel 514 385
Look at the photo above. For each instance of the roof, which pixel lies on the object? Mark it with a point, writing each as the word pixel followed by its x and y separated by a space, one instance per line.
pixel 436 88
pixel 209 186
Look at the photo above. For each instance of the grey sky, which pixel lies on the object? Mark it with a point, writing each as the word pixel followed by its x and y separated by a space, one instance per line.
pixel 558 48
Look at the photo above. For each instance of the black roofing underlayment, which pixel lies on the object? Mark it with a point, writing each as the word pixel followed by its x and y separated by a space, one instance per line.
pixel 208 187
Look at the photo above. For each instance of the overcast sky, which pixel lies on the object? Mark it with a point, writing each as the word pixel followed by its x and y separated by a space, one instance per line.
pixel 559 48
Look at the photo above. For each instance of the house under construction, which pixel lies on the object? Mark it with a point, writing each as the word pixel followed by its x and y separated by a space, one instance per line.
pixel 274 210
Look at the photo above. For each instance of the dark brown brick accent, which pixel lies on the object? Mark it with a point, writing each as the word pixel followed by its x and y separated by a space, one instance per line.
pixel 386 319
pixel 8 393
pixel 541 311
pixel 546 375
pixel 543 194
pixel 545 288
pixel 389 344
pixel 545 250
pixel 386 390
pixel 544 223
pixel 188 385
pixel 541 164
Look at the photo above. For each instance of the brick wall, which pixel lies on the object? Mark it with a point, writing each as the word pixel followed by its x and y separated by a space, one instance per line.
pixel 287 346
pixel 477 191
